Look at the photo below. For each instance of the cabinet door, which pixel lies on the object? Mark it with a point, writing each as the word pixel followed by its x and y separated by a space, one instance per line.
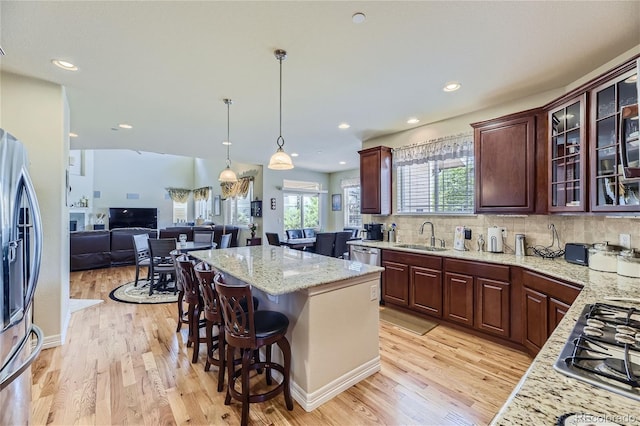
pixel 610 191
pixel 458 298
pixel 492 308
pixel 557 311
pixel 505 152
pixel 425 290
pixel 567 153
pixel 395 283
pixel 535 308
pixel 375 180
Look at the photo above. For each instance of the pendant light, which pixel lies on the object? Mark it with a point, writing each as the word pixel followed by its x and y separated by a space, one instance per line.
pixel 280 160
pixel 228 175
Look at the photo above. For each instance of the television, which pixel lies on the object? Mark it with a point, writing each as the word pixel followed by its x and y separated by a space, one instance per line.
pixel 128 217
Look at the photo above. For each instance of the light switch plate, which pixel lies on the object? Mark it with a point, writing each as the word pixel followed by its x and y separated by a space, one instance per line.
pixel 625 241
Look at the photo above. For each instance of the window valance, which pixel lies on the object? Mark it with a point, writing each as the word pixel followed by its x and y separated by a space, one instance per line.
pixel 236 189
pixel 179 195
pixel 445 148
pixel 347 182
pixel 202 193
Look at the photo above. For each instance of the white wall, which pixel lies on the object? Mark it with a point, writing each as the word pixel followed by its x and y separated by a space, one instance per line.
pixel 146 175
pixel 37 113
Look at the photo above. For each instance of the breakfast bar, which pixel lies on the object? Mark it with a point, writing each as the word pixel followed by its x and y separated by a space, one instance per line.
pixel 332 306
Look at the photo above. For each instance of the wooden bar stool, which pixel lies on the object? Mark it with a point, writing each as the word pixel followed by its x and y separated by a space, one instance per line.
pixel 185 274
pixel 249 330
pixel 212 317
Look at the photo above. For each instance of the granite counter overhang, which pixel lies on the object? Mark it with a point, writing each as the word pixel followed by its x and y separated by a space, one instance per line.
pixel 544 394
pixel 280 270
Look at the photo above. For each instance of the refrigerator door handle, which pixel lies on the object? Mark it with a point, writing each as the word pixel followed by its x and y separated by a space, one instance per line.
pixel 37 237
pixel 34 354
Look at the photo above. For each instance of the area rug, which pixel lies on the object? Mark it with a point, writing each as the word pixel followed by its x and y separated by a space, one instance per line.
pixel 127 293
pixel 406 321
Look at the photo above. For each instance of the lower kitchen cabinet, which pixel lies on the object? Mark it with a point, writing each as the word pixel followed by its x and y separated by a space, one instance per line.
pixel 425 286
pixel 478 295
pixel 544 304
pixel 395 283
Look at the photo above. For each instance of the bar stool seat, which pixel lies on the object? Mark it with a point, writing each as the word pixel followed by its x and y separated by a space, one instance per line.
pixel 247 331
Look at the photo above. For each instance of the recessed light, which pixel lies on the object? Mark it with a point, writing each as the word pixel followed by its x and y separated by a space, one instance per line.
pixel 413 120
pixel 73 135
pixel 65 65
pixel 344 126
pixel 125 126
pixel 451 86
pixel 358 18
pixel 342 162
pixel 294 154
pixel 226 143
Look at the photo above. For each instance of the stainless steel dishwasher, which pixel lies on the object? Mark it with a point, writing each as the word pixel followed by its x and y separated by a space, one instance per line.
pixel 368 256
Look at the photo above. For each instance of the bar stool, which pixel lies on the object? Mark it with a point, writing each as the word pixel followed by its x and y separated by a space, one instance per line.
pixel 212 317
pixel 182 318
pixel 186 276
pixel 248 330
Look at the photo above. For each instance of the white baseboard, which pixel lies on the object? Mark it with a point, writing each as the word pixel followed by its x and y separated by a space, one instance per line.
pixel 311 401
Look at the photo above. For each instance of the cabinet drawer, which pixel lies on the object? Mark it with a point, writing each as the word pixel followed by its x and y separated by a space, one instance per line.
pixel 560 290
pixel 485 270
pixel 426 261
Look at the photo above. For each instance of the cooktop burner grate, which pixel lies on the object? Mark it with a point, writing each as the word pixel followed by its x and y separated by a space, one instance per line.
pixel 604 349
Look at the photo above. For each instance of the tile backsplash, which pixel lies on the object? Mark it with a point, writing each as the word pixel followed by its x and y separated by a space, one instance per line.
pixel 571 229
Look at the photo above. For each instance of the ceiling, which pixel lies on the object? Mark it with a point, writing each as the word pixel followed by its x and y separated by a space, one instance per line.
pixel 165 67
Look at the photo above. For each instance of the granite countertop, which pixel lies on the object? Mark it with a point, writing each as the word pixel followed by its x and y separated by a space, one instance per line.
pixel 280 270
pixel 544 394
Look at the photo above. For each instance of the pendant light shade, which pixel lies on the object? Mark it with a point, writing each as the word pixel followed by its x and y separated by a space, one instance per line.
pixel 280 160
pixel 228 175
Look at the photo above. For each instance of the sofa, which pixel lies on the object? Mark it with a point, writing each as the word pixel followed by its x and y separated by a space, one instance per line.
pixel 175 231
pixel 102 249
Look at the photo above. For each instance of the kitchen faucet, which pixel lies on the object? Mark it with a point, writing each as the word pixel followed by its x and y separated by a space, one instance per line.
pixel 433 236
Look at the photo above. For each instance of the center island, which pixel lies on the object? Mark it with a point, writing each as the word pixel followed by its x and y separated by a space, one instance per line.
pixel 333 311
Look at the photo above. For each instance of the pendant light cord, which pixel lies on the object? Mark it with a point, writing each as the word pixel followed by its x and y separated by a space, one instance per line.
pixel 280 140
pixel 228 141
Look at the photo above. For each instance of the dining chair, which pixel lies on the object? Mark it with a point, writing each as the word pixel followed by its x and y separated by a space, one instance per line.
pixel 161 263
pixel 225 240
pixel 340 247
pixel 309 232
pixel 202 236
pixel 248 330
pixel 324 243
pixel 294 233
pixel 273 238
pixel 141 252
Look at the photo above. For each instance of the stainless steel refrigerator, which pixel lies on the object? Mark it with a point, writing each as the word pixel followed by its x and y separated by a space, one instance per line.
pixel 21 243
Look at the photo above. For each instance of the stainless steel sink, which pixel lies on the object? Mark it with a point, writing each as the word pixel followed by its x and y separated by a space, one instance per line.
pixel 420 247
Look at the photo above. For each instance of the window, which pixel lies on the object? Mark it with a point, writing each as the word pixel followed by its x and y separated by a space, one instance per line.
pixel 241 208
pixel 351 195
pixel 436 177
pixel 301 204
pixel 179 212
pixel 203 206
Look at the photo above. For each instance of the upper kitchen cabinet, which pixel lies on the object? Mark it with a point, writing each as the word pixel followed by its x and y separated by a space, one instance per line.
pixel 613 189
pixel 505 163
pixel 375 180
pixel 567 156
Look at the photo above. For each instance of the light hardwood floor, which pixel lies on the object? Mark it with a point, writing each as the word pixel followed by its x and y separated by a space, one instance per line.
pixel 125 364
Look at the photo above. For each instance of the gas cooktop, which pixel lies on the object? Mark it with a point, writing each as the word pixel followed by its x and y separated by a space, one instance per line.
pixel 604 349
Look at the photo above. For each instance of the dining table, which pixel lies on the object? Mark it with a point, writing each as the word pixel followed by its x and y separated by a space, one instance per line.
pixel 299 243
pixel 187 246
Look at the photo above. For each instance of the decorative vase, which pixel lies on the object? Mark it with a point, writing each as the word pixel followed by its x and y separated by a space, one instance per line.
pixel 253 234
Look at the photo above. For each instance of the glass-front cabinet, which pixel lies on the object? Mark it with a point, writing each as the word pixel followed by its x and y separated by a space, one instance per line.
pixel 567 156
pixel 611 189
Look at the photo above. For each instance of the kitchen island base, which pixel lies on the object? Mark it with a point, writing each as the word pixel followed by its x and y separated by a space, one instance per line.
pixel 333 333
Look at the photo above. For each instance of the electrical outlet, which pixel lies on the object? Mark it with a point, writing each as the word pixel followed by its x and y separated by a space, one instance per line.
pixel 373 292
pixel 625 241
pixel 504 232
